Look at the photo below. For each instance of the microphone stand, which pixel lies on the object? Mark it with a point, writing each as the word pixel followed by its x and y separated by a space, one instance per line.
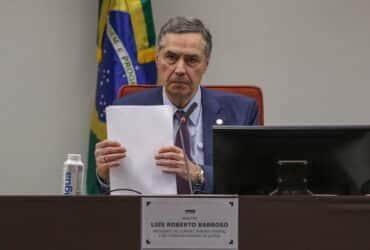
pixel 182 122
pixel 186 158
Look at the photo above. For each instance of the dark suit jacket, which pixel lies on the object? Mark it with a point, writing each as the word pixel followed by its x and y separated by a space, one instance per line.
pixel 232 109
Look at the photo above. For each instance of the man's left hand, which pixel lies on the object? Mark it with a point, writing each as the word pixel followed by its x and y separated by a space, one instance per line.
pixel 172 160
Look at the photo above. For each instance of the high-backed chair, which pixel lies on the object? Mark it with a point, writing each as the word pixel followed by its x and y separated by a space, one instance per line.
pixel 251 91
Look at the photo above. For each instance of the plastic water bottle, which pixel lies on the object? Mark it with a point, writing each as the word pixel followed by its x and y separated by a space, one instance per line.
pixel 73 175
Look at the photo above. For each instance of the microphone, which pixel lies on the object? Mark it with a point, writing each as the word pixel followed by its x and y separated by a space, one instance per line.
pixel 187 114
pixel 182 121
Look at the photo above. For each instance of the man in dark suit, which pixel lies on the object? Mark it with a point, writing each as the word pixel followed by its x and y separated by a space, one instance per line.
pixel 183 53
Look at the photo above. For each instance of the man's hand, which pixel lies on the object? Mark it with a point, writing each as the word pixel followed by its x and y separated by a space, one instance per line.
pixel 172 160
pixel 108 154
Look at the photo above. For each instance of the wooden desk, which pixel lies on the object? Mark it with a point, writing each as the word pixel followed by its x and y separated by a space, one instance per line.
pixel 112 222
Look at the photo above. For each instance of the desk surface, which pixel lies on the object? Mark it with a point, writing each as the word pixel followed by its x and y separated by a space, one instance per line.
pixel 112 222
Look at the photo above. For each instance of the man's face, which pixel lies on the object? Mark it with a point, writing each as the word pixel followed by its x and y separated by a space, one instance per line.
pixel 181 63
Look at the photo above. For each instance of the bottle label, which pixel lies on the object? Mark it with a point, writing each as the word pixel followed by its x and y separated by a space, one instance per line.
pixel 68 187
pixel 72 180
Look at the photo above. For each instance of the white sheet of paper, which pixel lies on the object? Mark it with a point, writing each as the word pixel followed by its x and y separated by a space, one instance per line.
pixel 142 130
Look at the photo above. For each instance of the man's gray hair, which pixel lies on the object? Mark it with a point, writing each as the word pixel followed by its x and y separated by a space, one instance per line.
pixel 181 25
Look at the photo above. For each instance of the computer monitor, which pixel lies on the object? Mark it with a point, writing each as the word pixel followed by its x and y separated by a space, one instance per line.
pixel 246 158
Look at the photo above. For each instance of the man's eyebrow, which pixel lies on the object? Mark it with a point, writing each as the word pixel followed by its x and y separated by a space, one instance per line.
pixel 171 52
pixel 192 55
pixel 181 53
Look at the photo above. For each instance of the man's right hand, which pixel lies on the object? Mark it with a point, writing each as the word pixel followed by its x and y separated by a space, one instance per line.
pixel 108 154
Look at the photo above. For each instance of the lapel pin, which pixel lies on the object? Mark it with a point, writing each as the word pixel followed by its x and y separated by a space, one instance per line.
pixel 219 122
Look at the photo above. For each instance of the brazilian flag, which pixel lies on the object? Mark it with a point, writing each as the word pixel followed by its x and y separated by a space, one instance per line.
pixel 125 55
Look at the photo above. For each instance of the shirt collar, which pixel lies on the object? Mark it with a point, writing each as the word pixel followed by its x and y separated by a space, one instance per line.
pixel 197 98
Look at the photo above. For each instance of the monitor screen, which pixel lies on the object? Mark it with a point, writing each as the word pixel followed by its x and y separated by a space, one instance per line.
pixel 247 159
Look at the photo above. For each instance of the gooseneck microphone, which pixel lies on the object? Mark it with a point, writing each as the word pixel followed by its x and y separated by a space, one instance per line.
pixel 182 122
pixel 187 114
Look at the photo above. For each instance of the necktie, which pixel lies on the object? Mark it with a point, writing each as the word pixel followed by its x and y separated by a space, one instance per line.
pixel 182 185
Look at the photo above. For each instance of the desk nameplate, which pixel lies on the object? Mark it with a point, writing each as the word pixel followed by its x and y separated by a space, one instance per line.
pixel 189 223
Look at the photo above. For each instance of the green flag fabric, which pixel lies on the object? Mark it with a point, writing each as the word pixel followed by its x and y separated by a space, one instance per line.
pixel 125 55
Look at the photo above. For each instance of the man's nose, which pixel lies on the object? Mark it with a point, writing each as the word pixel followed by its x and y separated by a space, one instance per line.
pixel 180 67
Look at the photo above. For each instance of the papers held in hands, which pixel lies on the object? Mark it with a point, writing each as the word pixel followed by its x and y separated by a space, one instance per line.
pixel 142 130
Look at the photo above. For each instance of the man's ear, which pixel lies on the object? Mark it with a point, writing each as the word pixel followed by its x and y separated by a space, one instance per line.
pixel 207 63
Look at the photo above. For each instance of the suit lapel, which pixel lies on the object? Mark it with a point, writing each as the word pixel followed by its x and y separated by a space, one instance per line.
pixel 212 110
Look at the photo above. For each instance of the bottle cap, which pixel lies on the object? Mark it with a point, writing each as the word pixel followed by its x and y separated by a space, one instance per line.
pixel 74 157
